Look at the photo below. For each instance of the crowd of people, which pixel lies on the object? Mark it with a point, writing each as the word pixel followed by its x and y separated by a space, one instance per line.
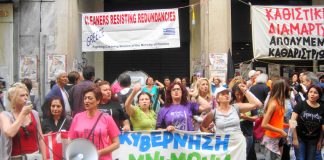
pixel 99 112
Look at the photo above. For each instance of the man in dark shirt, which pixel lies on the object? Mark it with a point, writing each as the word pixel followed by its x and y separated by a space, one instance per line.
pixel 124 82
pixel 76 92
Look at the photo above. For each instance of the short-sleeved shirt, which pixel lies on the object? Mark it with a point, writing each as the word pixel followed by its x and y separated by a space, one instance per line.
pixel 227 122
pixel 103 134
pixel 309 120
pixel 116 111
pixel 143 121
pixel 178 115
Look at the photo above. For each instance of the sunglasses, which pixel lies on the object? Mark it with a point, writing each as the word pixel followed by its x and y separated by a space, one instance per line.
pixel 17 84
pixel 27 133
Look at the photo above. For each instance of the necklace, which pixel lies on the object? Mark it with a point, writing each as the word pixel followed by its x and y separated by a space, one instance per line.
pixel 26 120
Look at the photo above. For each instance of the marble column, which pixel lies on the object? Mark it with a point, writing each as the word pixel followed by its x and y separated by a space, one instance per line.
pixel 315 62
pixel 215 28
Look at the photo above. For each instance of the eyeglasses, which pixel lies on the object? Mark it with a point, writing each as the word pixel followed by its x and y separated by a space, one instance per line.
pixel 176 89
pixel 27 133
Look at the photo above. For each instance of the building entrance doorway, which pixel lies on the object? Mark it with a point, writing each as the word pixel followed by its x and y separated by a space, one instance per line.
pixel 158 63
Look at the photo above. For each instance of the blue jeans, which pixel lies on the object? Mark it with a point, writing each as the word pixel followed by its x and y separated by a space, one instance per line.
pixel 318 155
pixel 306 149
pixel 249 142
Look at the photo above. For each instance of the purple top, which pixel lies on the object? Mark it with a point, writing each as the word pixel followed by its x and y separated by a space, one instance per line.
pixel 180 116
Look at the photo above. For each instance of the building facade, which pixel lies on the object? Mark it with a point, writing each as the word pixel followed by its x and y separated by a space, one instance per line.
pixel 34 32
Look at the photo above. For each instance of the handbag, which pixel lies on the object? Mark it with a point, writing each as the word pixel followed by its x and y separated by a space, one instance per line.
pixel 31 156
pixel 258 131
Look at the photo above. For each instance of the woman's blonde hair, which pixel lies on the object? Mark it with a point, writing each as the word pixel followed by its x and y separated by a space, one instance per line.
pixel 13 93
pixel 196 89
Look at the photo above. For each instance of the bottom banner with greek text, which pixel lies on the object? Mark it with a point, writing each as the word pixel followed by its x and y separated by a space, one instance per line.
pixel 179 145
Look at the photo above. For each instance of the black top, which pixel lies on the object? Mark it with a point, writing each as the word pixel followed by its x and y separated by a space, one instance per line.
pixel 123 95
pixel 247 126
pixel 48 124
pixel 162 92
pixel 260 90
pixel 116 111
pixel 310 121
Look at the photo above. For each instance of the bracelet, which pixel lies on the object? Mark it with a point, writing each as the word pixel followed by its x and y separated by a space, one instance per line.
pixel 245 91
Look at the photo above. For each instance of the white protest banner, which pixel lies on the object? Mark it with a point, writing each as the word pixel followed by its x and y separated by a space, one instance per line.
pixel 162 145
pixel 274 70
pixel 130 30
pixel 55 62
pixel 288 32
pixel 28 67
pixel 218 65
pixel 218 61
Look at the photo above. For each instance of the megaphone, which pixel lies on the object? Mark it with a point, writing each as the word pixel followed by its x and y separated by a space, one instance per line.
pixel 81 149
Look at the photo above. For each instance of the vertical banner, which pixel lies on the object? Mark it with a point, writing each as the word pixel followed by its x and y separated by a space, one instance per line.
pixel 287 71
pixel 56 143
pixel 288 32
pixel 218 65
pixel 55 63
pixel 274 70
pixel 237 72
pixel 28 67
pixel 130 30
pixel 198 66
pixel 245 69
pixel 179 145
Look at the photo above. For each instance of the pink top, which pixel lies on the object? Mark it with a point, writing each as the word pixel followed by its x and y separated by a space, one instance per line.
pixel 104 132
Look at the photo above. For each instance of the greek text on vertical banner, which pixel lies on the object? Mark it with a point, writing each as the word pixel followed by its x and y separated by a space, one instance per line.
pixel 288 32
pixel 130 30
pixel 179 145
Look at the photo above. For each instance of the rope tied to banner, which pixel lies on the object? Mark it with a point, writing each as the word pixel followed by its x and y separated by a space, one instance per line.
pixel 247 3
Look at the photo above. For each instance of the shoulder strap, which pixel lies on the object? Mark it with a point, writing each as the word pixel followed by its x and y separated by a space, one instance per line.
pixel 94 126
pixel 3 107
pixel 236 108
pixel 35 114
pixel 9 115
pixel 214 120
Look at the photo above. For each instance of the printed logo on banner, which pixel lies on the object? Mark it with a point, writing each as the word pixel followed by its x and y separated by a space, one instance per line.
pixel 168 31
